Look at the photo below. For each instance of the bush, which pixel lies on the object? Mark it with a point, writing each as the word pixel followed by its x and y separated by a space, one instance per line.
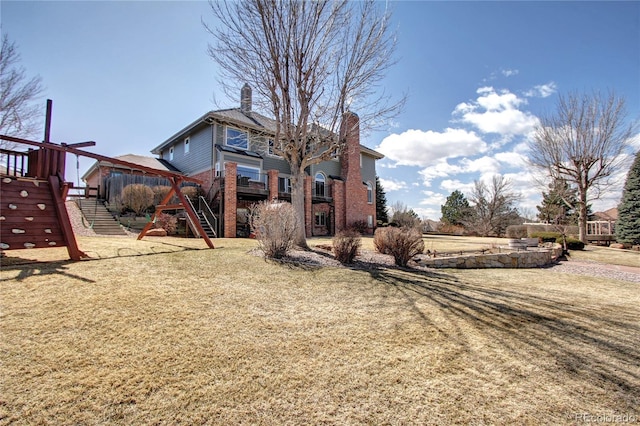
pixel 167 222
pixel 346 245
pixel 547 237
pixel 193 192
pixel 359 226
pixel 402 243
pixel 274 225
pixel 137 197
pixel 159 192
pixel 517 231
pixel 573 244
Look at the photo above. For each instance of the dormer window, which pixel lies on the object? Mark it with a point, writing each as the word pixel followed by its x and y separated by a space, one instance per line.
pixel 237 138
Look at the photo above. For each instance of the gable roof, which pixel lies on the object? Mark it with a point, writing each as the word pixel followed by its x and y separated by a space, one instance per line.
pixel 142 160
pixel 611 214
pixel 235 116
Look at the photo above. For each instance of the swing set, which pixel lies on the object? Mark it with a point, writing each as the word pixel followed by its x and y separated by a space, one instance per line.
pixel 33 191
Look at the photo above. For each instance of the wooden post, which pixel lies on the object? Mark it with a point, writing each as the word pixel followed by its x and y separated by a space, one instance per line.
pixel 63 220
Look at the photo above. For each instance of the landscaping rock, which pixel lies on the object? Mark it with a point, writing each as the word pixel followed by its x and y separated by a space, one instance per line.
pixel 156 232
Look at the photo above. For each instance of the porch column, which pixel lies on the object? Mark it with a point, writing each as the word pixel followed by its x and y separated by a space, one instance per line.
pixel 273 184
pixel 230 198
pixel 308 217
pixel 339 204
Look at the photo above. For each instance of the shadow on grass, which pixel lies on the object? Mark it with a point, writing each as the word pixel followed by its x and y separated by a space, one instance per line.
pixel 29 267
pixel 32 269
pixel 591 342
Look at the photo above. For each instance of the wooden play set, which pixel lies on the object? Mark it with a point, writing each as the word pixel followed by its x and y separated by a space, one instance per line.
pixel 33 191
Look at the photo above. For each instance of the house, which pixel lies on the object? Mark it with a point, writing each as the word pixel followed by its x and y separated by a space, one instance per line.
pixel 231 152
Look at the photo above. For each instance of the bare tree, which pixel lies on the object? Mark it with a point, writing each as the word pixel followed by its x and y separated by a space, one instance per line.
pixel 310 63
pixel 18 115
pixel 492 207
pixel 583 144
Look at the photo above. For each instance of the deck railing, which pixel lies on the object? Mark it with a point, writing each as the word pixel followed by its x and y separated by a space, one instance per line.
pixel 14 163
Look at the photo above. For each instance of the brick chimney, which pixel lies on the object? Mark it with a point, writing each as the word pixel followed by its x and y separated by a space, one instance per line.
pixel 245 99
pixel 355 193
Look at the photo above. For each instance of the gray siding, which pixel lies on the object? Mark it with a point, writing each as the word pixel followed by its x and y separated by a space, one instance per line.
pixel 199 156
pixel 368 169
pixel 329 168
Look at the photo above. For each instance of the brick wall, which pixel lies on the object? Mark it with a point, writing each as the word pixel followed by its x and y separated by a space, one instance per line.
pixel 356 207
pixel 230 199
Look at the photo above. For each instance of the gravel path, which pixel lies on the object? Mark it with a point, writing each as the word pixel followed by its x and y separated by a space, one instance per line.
pixel 623 273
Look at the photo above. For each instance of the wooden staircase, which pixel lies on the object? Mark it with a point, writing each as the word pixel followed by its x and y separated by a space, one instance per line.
pixel 98 218
pixel 204 223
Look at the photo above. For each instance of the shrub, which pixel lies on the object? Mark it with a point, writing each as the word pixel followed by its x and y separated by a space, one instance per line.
pixel 517 231
pixel 360 226
pixel 546 237
pixel 402 243
pixel 346 245
pixel 137 197
pixel 167 222
pixel 573 244
pixel 192 192
pixel 380 240
pixel 274 225
pixel 159 192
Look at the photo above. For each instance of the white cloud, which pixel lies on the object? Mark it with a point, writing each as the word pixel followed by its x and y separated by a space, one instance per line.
pixel 424 148
pixel 392 185
pixel 509 73
pixel 542 90
pixel 451 185
pixel 635 142
pixel 441 169
pixel 496 112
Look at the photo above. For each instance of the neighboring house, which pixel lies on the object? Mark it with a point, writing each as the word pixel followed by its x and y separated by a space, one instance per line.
pixel 108 179
pixel 230 150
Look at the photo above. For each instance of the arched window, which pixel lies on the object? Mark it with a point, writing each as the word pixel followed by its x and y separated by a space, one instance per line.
pixel 369 193
pixel 320 184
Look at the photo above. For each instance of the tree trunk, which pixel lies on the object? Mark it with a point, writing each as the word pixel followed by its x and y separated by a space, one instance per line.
pixel 582 216
pixel 297 200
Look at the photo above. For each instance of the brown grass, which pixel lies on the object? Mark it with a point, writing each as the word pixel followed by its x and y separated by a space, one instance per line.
pixel 163 331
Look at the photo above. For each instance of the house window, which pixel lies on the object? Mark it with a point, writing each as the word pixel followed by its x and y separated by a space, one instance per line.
pixel 369 193
pixel 237 138
pixel 271 145
pixel 186 145
pixel 284 185
pixel 321 219
pixel 320 185
pixel 171 154
pixel 248 173
pixel 370 221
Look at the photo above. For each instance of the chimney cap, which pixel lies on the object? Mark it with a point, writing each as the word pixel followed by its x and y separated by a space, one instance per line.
pixel 245 99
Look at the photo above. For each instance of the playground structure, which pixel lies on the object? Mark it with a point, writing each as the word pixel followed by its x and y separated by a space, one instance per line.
pixel 33 191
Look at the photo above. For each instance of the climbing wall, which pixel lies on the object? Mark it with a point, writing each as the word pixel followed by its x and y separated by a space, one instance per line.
pixel 28 216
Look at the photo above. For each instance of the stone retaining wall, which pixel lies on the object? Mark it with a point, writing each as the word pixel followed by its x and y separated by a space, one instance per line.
pixel 515 259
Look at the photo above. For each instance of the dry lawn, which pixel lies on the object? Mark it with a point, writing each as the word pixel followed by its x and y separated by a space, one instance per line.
pixel 164 331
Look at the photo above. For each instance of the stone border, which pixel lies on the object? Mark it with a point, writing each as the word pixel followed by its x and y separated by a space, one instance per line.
pixel 515 259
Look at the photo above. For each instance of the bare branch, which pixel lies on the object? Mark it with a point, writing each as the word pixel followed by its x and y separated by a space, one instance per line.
pixel 18 115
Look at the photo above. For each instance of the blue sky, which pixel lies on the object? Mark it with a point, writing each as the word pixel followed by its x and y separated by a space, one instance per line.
pixel 130 74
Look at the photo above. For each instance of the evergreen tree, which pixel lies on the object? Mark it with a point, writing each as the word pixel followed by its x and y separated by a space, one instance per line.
pixel 558 204
pixel 628 223
pixel 382 213
pixel 455 209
